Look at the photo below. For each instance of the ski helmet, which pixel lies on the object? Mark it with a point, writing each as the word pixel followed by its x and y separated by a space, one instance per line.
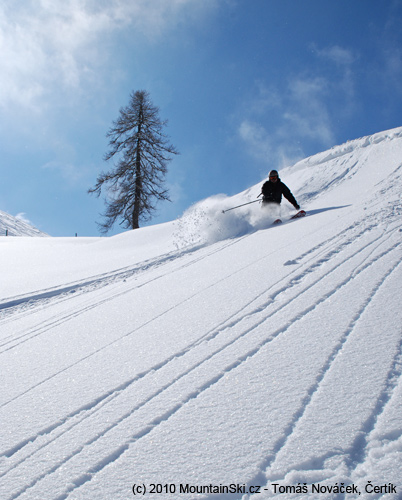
pixel 274 173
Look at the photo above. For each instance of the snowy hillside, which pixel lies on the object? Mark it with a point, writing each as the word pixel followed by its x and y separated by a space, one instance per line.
pixel 214 356
pixel 17 226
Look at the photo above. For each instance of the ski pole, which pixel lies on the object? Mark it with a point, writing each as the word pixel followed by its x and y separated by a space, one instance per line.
pixel 238 206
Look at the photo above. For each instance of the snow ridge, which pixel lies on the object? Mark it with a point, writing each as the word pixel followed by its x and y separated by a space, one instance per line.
pixel 17 226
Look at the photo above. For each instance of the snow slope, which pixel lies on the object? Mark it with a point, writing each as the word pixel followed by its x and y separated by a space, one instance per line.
pixel 215 350
pixel 17 226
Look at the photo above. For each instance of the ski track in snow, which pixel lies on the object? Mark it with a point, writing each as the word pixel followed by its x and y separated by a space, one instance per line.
pixel 49 324
pixel 66 455
pixel 14 305
pixel 296 284
pixel 357 451
pixel 47 298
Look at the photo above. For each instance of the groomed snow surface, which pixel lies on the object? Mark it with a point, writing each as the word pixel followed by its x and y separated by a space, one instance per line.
pixel 215 350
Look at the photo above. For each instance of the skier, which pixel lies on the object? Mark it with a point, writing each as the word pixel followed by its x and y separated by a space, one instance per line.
pixel 272 191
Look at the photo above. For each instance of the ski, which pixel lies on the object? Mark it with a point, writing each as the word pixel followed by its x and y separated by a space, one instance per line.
pixel 301 213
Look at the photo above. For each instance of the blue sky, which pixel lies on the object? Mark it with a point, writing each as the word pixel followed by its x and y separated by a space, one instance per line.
pixel 246 86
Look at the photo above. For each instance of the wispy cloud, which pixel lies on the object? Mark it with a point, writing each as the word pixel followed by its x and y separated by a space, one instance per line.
pixel 279 124
pixel 22 217
pixel 337 54
pixel 392 67
pixel 343 59
pixel 46 43
pixel 70 173
pixel 267 147
pixel 307 113
pixel 389 71
pixel 256 137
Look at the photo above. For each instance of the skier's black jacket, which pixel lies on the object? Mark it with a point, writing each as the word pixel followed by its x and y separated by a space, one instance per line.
pixel 272 193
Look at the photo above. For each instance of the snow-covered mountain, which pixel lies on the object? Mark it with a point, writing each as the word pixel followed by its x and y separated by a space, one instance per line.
pixel 217 355
pixel 17 226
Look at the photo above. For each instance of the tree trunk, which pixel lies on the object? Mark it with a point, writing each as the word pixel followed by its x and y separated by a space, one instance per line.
pixel 137 198
pixel 138 174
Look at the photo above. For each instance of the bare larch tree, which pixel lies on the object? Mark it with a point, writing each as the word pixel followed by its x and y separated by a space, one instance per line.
pixel 141 151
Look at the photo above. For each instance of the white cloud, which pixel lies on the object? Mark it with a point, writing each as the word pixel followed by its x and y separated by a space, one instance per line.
pixel 257 139
pixel 50 43
pixel 280 121
pixel 307 111
pixel 270 148
pixel 22 217
pixel 336 54
pixel 277 123
pixel 70 173
pixel 391 73
pixel 343 59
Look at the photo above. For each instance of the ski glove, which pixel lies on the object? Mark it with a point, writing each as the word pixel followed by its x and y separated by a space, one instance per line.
pixel 297 207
